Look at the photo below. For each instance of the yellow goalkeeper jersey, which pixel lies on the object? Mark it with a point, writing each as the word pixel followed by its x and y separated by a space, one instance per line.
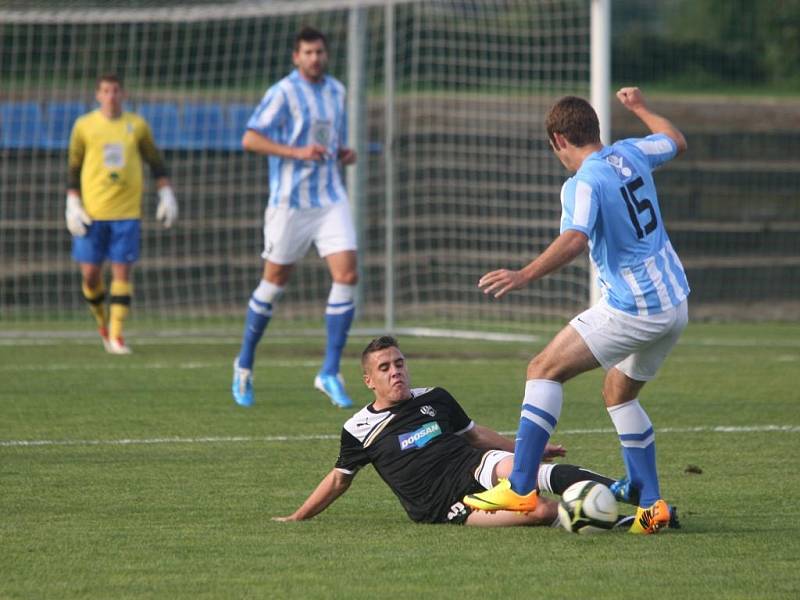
pixel 105 160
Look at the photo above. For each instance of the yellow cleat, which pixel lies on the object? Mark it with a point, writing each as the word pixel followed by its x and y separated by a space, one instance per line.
pixel 651 520
pixel 502 497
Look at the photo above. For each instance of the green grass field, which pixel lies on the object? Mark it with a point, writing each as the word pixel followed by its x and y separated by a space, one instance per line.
pixel 141 479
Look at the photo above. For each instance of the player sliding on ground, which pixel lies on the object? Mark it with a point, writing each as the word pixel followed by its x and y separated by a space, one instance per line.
pixel 104 203
pixel 430 453
pixel 611 207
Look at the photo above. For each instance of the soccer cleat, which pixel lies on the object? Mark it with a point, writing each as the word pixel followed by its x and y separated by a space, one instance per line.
pixel 652 520
pixel 502 497
pixel 624 492
pixel 104 336
pixel 333 387
pixel 117 346
pixel 242 386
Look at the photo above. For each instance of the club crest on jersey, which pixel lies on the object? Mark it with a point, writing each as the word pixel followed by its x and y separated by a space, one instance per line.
pixel 420 437
pixel 617 162
pixel 428 410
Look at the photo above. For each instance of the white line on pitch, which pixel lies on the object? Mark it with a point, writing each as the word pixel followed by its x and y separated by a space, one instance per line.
pixel 127 366
pixel 16 339
pixel 325 437
pixel 123 364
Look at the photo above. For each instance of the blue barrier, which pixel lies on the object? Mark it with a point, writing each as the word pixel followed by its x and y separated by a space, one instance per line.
pixel 163 120
pixel 238 115
pixel 61 116
pixel 21 125
pixel 202 126
pixel 187 126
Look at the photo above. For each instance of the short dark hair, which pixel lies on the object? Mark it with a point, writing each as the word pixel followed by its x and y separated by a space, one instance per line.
pixel 376 345
pixel 309 34
pixel 108 78
pixel 575 119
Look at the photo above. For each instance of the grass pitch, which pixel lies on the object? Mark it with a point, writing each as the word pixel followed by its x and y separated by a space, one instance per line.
pixel 138 477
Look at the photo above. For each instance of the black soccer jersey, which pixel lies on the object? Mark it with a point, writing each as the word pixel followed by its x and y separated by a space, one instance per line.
pixel 417 449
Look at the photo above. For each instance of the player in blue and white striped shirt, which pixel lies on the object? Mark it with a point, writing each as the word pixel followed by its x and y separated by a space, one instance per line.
pixel 301 125
pixel 610 206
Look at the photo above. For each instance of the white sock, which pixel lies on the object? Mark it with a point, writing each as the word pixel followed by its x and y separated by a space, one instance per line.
pixel 267 292
pixel 341 293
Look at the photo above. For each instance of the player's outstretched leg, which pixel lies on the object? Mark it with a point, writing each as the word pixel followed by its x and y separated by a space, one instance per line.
pixel 96 300
pixel 541 409
pixel 338 319
pixel 259 313
pixel 119 307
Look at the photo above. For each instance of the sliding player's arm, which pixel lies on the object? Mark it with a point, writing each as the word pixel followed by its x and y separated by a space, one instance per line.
pixel 329 489
pixel 167 209
pixel 484 438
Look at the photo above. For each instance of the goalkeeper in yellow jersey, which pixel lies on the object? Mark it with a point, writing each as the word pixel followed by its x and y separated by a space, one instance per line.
pixel 104 203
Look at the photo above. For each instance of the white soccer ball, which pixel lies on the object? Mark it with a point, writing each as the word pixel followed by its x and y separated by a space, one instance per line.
pixel 587 507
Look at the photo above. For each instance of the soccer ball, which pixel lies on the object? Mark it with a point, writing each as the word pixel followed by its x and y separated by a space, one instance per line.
pixel 587 507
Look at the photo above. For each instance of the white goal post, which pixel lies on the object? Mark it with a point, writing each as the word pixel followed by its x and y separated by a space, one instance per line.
pixel 447 100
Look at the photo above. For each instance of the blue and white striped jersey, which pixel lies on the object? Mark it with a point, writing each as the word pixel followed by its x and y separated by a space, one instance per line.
pixel 613 200
pixel 297 112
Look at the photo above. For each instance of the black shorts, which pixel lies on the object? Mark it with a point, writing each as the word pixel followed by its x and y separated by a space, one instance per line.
pixel 458 512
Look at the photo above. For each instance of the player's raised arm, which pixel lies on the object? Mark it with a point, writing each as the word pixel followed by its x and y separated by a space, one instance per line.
pixel 632 99
pixel 329 489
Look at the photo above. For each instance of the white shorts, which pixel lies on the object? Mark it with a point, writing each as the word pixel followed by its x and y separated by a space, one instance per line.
pixel 636 345
pixel 485 470
pixel 289 232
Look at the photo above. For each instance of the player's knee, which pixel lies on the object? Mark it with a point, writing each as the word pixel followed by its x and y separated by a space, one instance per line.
pixel 347 278
pixel 91 280
pixel 542 367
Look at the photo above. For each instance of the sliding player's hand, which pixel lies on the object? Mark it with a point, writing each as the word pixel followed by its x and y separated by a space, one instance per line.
pixel 284 519
pixel 502 281
pixel 551 451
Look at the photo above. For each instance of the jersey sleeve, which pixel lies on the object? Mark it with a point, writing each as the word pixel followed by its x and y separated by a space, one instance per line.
pixel 150 152
pixel 657 148
pixel 271 113
pixel 579 205
pixel 75 154
pixel 458 416
pixel 352 455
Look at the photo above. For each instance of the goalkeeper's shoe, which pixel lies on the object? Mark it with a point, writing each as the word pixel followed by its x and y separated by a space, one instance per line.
pixel 242 386
pixel 652 520
pixel 118 346
pixel 625 492
pixel 502 497
pixel 333 387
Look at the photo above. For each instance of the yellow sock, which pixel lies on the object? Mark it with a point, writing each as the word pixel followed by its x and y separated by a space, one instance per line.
pixel 120 305
pixel 96 299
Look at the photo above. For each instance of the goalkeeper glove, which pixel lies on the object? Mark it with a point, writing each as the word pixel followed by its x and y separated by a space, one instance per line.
pixel 167 210
pixel 77 219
